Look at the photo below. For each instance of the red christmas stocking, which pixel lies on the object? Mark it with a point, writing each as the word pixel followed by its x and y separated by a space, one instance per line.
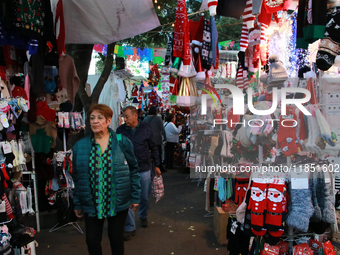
pixel 257 206
pixel 276 205
pixel 287 139
pixel 240 189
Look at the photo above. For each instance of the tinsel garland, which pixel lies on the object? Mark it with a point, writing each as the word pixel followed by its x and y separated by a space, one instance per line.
pixel 298 57
pixel 283 44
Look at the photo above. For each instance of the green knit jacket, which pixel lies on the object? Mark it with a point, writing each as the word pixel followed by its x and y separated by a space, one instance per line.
pixel 125 169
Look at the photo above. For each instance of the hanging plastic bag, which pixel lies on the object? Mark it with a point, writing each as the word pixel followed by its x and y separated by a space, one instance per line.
pixel 158 187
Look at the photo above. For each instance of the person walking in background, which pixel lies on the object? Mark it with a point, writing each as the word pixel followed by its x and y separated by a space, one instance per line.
pixel 158 131
pixel 140 114
pixel 172 137
pixel 141 135
pixel 107 183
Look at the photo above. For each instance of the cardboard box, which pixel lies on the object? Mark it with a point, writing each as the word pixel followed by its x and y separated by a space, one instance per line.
pixel 220 225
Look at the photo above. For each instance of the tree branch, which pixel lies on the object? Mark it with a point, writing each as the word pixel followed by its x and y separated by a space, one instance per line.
pixel 102 57
pixel 81 54
pixel 105 74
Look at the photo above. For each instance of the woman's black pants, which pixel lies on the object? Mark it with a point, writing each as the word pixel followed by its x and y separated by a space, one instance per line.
pixel 94 232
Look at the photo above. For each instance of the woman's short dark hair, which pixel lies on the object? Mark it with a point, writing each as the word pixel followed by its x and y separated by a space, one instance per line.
pixel 103 109
pixel 152 110
pixel 169 117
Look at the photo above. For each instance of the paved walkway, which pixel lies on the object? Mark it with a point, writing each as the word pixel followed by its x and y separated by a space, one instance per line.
pixel 176 226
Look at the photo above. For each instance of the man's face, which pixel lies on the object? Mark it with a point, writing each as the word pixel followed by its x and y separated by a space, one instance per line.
pixel 131 119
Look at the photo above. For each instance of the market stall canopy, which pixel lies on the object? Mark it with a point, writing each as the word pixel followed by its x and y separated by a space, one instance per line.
pixel 107 21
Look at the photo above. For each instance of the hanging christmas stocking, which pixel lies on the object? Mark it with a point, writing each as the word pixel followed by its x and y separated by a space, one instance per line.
pixel 302 209
pixel 276 206
pixel 257 206
pixel 287 139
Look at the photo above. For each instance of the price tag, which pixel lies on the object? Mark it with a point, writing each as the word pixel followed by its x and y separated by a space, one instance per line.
pixel 327 177
pixel 2 207
pixel 299 180
pixel 233 227
pixel 7 148
pixel 60 157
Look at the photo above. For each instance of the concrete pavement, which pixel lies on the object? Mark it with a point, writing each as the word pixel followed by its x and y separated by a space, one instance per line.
pixel 177 226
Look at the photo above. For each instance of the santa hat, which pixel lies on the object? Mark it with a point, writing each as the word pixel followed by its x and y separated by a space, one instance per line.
pixel 187 71
pixel 196 32
pixel 212 4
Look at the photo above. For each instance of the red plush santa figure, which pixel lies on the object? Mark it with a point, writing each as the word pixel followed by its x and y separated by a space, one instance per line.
pixel 241 189
pixel 276 205
pixel 134 91
pixel 257 206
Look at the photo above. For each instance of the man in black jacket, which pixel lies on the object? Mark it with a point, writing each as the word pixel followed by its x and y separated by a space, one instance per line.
pixel 141 136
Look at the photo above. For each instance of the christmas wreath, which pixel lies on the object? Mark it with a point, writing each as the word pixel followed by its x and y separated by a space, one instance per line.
pixel 250 153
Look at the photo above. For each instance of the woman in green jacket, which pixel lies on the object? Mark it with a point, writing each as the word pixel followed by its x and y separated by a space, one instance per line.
pixel 107 183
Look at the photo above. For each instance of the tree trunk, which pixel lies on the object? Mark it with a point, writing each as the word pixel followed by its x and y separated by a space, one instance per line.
pixel 81 54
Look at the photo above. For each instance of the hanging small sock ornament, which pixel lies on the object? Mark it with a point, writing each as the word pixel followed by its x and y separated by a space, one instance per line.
pixel 330 45
pixel 240 189
pixel 257 205
pixel 276 206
